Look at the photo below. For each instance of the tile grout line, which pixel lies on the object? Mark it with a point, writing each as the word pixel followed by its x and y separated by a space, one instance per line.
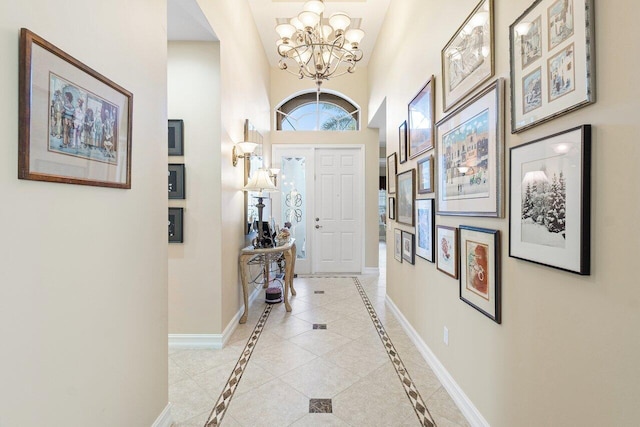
pixel 410 389
pixel 222 404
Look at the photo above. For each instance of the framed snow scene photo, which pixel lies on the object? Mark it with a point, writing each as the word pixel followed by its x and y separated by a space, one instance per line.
pixel 550 198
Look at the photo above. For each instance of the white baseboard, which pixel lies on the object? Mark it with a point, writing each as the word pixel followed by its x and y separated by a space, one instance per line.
pixel 164 419
pixel 375 271
pixel 210 341
pixel 466 406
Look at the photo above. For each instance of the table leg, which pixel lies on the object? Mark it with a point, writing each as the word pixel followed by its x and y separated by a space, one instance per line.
pixel 293 269
pixel 243 276
pixel 288 273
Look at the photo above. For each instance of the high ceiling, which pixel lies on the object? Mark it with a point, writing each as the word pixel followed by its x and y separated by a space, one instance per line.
pixel 187 22
pixel 266 13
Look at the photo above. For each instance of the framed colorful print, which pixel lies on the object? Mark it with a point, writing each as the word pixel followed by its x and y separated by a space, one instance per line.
pixel 405 195
pixel 552 49
pixel 176 181
pixel 74 123
pixel 176 138
pixel 391 208
pixel 447 247
pixel 549 220
pixel 397 247
pixel 408 253
pixel 421 120
pixel 392 167
pixel 470 156
pixel 480 270
pixel 402 141
pixel 425 175
pixel 424 228
pixel 467 59
pixel 175 225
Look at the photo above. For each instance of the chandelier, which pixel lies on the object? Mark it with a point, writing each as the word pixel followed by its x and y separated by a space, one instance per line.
pixel 311 48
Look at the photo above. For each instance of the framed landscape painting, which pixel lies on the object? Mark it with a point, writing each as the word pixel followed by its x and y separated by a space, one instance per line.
pixel 467 59
pixel 421 120
pixel 550 201
pixel 471 156
pixel 425 175
pixel 424 228
pixel 480 270
pixel 552 52
pixel 447 247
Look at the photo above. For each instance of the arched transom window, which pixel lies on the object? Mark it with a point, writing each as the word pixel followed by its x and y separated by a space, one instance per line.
pixel 317 111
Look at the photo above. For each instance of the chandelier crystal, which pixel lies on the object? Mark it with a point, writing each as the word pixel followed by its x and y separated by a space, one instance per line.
pixel 312 48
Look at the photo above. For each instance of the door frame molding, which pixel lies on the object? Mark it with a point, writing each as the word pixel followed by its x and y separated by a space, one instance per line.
pixel 362 188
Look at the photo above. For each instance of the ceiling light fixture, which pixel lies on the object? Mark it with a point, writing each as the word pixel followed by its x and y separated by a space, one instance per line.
pixel 311 48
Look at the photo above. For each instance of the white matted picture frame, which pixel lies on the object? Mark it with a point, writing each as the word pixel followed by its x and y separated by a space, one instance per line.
pixel 421 120
pixel 392 168
pixel 552 59
pixel 391 208
pixel 397 244
pixel 467 59
pixel 470 156
pixel 480 270
pixel 425 175
pixel 406 184
pixel 425 221
pixel 447 249
pixel 408 243
pixel 75 123
pixel 550 199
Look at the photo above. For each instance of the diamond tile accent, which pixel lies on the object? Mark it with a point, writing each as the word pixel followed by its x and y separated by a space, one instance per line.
pixel 320 406
pixel 222 404
pixel 319 326
pixel 419 406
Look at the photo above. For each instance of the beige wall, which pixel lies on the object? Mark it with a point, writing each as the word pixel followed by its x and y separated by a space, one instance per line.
pixel 566 353
pixel 193 78
pixel 83 282
pixel 355 87
pixel 244 94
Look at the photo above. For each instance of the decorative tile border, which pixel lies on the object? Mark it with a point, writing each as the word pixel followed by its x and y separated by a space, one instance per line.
pixel 222 404
pixel 320 405
pixel 418 404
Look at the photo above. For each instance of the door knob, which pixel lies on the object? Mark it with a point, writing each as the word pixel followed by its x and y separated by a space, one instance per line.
pixel 317 219
pixel 318 226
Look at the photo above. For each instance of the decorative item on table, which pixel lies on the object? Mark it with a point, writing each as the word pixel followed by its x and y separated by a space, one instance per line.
pixel 283 237
pixel 261 183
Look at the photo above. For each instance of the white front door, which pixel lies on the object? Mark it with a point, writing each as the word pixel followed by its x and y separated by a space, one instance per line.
pixel 337 215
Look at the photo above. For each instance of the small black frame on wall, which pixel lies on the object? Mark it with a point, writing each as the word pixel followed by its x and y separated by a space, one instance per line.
pixel 176 138
pixel 176 225
pixel 176 177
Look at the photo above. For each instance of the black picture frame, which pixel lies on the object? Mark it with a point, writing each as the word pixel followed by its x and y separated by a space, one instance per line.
pixel 391 208
pixel 175 225
pixel 176 184
pixel 552 175
pixel 392 171
pixel 176 137
pixel 408 247
pixel 480 284
pixel 402 142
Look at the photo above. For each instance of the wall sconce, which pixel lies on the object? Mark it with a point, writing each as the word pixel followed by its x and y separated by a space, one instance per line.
pixel 246 148
pixel 273 174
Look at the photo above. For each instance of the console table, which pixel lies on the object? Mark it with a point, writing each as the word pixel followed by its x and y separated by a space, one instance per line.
pixel 264 257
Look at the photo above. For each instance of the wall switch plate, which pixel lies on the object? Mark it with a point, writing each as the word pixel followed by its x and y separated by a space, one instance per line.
pixel 445 337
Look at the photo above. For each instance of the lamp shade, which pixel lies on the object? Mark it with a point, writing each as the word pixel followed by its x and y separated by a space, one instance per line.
pixel 260 182
pixel 339 21
pixel 247 147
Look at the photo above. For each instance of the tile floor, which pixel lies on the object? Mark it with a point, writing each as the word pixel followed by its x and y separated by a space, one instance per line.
pixel 295 373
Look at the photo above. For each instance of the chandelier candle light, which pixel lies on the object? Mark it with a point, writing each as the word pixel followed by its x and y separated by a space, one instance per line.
pixel 311 48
